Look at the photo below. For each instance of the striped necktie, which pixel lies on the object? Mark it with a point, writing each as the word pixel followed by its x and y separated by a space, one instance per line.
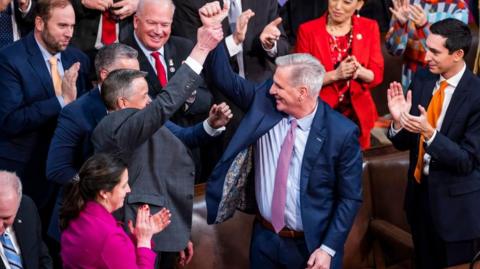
pixel 13 258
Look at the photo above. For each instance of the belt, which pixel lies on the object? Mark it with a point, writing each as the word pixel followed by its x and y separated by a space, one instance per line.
pixel 285 232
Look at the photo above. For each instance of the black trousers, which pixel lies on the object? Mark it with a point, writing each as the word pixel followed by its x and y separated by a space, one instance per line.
pixel 431 251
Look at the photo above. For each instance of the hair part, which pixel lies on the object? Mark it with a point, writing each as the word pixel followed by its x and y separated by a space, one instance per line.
pixel 109 55
pixel 43 8
pixel 119 83
pixel 457 33
pixel 101 172
pixel 305 70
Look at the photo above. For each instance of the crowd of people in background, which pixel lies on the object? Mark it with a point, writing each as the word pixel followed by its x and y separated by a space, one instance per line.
pixel 111 111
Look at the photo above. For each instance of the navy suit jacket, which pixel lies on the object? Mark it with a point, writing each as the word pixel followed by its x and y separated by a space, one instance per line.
pixel 330 184
pixel 71 144
pixel 454 173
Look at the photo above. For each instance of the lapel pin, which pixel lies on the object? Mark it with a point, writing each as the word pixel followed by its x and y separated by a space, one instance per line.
pixel 359 36
pixel 19 221
pixel 171 68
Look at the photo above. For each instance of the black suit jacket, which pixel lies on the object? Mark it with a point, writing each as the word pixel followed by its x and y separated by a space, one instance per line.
pixel 258 65
pixel 454 174
pixel 176 51
pixel 28 231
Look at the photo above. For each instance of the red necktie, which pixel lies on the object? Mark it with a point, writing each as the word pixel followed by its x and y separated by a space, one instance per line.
pixel 109 29
pixel 162 77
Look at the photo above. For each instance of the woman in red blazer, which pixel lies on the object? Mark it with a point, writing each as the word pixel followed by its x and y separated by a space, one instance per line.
pixel 349 48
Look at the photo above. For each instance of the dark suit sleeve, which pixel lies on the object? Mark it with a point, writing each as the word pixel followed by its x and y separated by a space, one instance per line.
pixel 16 116
pixel 63 148
pixel 349 192
pixel 142 124
pixel 192 136
pixel 461 157
pixel 219 72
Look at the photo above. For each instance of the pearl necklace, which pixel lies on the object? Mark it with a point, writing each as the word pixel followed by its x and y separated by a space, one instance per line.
pixel 335 44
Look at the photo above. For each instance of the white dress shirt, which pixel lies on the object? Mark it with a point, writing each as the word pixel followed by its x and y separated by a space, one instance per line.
pixel 151 60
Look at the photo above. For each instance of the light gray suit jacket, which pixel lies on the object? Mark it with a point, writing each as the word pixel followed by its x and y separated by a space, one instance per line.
pixel 161 170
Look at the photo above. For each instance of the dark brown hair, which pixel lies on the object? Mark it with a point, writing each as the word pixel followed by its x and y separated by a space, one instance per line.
pixel 44 7
pixel 99 172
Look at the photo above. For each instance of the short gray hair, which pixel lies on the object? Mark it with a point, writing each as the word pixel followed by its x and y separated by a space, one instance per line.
pixel 119 83
pixel 10 181
pixel 305 70
pixel 108 55
pixel 141 4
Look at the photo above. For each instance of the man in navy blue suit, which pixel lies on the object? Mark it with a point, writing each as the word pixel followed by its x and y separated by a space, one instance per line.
pixel 40 74
pixel 439 122
pixel 307 177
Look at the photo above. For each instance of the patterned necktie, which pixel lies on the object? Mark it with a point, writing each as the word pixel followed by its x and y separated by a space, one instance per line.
pixel 57 80
pixel 109 28
pixel 433 113
pixel 280 188
pixel 6 29
pixel 13 258
pixel 162 77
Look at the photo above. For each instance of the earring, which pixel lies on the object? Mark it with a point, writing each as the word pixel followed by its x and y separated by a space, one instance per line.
pixel 357 12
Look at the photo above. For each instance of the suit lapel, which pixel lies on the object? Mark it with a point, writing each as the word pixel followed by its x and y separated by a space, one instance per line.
pixel 22 236
pixel 427 92
pixel 172 62
pixel 315 141
pixel 38 65
pixel 458 98
pixel 323 40
pixel 154 86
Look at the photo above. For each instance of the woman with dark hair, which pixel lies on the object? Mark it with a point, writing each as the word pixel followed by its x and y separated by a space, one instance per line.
pixel 349 48
pixel 91 236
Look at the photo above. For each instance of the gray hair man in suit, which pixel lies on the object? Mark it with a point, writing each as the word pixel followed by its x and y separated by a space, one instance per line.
pixel 20 229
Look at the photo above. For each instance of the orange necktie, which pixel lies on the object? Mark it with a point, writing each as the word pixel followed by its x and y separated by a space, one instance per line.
pixel 57 80
pixel 433 112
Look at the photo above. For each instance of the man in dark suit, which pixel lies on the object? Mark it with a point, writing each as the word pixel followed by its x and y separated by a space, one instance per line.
pixel 307 179
pixel 20 228
pixel 152 28
pixel 16 20
pixel 33 94
pixel 161 169
pixel 439 122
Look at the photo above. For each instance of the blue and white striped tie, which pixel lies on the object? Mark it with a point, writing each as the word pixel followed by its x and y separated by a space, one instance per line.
pixel 12 256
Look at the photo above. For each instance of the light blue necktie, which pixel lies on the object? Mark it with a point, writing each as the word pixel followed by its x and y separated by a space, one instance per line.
pixel 6 30
pixel 282 2
pixel 12 256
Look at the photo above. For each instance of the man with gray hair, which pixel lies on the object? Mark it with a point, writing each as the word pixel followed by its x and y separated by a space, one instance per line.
pixel 71 144
pixel 20 228
pixel 306 187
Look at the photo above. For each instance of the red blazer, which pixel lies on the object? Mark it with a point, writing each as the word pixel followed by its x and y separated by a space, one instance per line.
pixel 313 38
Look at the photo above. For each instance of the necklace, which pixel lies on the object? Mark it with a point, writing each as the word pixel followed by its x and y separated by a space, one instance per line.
pixel 342 51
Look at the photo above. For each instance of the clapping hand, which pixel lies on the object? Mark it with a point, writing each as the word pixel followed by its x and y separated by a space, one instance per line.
pixel 397 104
pixel 101 5
pixel 69 83
pixel 160 220
pixel 417 15
pixel 346 69
pixel 270 33
pixel 124 8
pixel 400 11
pixel 241 26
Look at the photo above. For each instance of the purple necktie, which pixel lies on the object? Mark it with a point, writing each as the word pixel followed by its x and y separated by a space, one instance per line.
pixel 280 188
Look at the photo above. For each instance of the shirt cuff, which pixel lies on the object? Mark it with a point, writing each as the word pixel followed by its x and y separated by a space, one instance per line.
pixel 392 131
pixel 196 66
pixel 429 141
pixel 233 49
pixel 61 101
pixel 24 13
pixel 273 51
pixel 212 131
pixel 329 251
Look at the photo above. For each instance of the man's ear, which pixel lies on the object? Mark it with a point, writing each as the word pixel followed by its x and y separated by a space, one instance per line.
pixel 303 93
pixel 121 103
pixel 458 55
pixel 39 24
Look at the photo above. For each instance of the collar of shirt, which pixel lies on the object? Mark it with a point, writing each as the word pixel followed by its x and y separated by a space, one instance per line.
pixel 306 122
pixel 453 81
pixel 148 52
pixel 46 55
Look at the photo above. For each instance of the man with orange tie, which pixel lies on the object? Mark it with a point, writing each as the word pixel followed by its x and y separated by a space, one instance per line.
pixel 161 54
pixel 439 122
pixel 40 74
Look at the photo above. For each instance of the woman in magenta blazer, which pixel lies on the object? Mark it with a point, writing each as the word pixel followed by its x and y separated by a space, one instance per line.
pixel 91 236
pixel 349 48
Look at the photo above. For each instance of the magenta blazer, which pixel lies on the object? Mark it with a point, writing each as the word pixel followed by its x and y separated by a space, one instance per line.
pixel 96 240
